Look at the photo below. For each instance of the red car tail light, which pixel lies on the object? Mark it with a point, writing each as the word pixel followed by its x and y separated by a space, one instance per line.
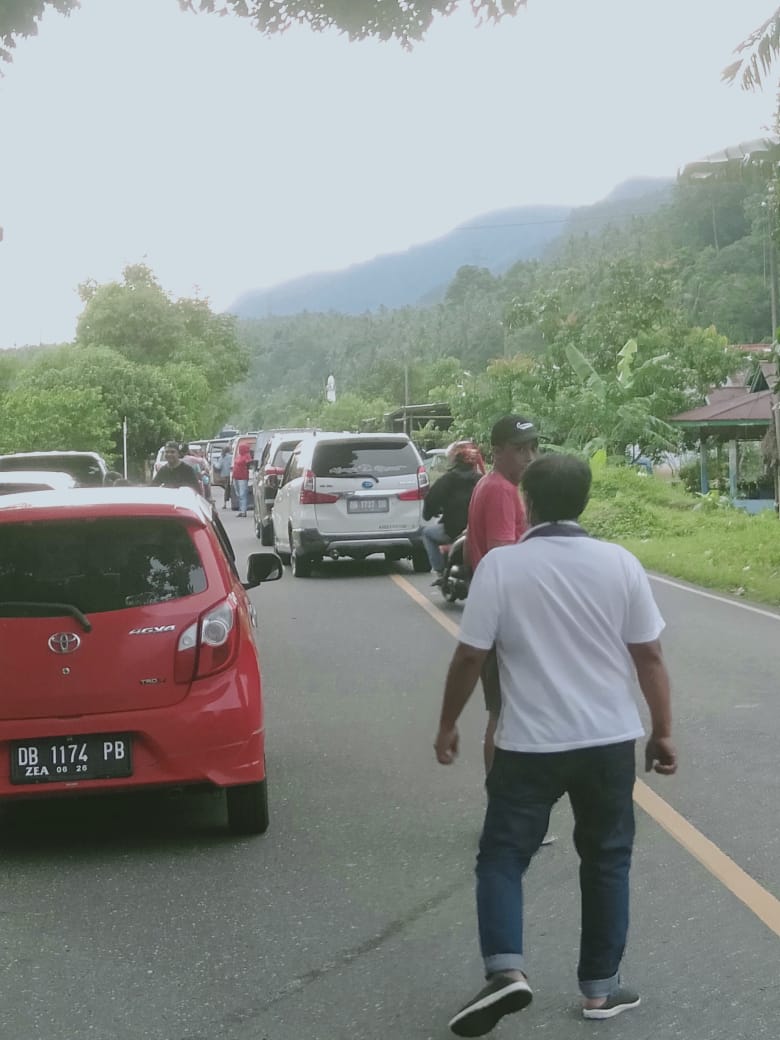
pixel 209 644
pixel 310 496
pixel 415 494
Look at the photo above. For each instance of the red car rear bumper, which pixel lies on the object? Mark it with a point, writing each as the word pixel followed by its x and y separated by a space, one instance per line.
pixel 214 736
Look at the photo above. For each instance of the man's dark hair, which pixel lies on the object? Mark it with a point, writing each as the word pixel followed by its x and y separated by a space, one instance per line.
pixel 557 487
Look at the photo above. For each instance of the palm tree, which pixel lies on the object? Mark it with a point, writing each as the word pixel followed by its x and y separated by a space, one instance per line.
pixel 758 54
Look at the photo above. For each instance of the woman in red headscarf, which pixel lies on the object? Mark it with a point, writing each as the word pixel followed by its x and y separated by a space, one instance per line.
pixel 448 500
pixel 240 476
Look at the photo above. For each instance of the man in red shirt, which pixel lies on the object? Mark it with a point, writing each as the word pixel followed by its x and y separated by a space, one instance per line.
pixel 497 517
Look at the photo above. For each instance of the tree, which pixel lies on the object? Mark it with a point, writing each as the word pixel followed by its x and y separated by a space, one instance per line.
pixel 352 412
pixel 55 419
pixel 758 54
pixel 134 317
pixel 19 18
pixel 406 21
pixel 199 351
pixel 157 403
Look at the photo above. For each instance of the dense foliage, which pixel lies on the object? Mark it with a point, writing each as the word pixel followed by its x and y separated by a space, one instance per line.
pixel 403 20
pixel 601 343
pixel 166 365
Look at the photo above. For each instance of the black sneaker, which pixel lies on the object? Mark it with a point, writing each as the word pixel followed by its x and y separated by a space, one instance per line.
pixel 621 1000
pixel 502 996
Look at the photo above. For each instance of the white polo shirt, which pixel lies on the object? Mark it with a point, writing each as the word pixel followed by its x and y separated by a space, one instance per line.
pixel 561 611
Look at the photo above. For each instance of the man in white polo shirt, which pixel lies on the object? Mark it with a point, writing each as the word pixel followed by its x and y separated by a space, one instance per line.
pixel 574 623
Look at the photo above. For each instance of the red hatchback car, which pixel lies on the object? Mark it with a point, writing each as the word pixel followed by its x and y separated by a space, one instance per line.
pixel 129 660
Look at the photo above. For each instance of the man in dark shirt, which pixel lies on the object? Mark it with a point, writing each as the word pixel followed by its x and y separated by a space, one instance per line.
pixel 174 473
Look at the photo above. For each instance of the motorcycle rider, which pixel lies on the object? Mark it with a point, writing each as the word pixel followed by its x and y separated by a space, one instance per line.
pixel 448 500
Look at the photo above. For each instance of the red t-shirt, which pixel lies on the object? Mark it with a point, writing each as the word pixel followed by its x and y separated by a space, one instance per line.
pixel 241 466
pixel 496 514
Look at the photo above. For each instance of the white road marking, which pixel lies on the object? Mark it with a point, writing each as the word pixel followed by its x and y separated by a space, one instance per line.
pixel 718 599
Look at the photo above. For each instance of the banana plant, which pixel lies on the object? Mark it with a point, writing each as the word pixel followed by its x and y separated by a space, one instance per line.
pixel 624 414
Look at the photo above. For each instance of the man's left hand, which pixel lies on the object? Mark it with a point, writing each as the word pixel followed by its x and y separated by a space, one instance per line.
pixel 446 746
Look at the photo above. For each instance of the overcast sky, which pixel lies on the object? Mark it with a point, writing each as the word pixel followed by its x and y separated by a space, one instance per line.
pixel 227 161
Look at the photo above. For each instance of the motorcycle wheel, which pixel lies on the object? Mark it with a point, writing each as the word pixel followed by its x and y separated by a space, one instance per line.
pixel 448 587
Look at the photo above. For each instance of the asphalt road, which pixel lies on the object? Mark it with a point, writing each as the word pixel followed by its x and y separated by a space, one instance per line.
pixel 353 917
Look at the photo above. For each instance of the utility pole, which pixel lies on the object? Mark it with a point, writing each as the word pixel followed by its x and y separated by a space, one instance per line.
pixel 407 423
pixel 772 217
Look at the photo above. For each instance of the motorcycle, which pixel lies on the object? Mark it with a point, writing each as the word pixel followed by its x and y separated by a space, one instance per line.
pixel 456 576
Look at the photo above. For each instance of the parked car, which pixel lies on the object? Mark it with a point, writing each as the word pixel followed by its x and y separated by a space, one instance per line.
pixel 351 494
pixel 267 477
pixel 214 452
pixel 159 460
pixel 226 433
pixel 24 480
pixel 129 658
pixel 87 467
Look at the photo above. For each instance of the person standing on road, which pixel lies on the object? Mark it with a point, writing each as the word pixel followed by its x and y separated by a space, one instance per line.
pixel 497 517
pixel 225 469
pixel 574 622
pixel 194 458
pixel 448 500
pixel 240 476
pixel 174 472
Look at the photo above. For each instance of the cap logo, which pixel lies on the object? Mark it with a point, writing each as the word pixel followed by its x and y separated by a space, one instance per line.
pixel 523 425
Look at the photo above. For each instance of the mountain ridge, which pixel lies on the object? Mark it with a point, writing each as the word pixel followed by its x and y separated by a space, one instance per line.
pixel 419 275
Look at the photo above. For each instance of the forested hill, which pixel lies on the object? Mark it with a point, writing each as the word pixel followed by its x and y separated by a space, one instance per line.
pixel 420 274
pixel 638 197
pixel 494 240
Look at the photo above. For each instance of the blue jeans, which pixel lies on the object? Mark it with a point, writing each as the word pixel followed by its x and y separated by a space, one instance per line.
pixel 434 535
pixel 522 789
pixel 242 492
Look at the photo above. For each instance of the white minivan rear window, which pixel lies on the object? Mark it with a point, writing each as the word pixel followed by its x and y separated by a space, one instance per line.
pixel 377 458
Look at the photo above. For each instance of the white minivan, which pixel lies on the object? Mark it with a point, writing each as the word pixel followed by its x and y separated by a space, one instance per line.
pixel 351 494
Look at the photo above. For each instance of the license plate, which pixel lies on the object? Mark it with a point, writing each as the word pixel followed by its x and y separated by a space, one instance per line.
pixel 368 505
pixel 98 756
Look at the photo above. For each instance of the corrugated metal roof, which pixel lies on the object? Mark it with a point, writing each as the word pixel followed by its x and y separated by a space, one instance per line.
pixel 725 393
pixel 746 409
pixel 734 159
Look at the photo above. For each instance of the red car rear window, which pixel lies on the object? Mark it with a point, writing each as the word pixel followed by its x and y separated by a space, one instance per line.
pixel 109 563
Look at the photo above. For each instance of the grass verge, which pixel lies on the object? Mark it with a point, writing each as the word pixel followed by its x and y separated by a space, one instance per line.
pixel 693 539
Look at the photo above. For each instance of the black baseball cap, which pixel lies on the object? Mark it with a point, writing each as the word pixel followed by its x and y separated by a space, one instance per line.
pixel 513 429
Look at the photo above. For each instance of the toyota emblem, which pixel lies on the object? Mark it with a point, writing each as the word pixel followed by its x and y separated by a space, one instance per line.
pixel 64 642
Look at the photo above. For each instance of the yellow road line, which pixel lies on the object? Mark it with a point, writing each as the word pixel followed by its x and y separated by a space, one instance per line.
pixel 762 903
pixel 756 898
pixel 425 603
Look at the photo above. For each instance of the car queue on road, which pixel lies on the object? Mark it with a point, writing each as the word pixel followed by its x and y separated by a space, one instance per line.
pixel 127 632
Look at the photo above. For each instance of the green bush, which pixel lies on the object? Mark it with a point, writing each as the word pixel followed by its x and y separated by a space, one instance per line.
pixel 628 504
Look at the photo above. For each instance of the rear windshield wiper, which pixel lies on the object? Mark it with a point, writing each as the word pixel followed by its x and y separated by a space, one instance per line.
pixel 357 476
pixel 6 606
